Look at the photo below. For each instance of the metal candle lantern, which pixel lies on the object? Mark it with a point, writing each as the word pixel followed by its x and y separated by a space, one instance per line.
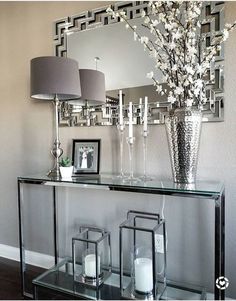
pixel 145 236
pixel 91 256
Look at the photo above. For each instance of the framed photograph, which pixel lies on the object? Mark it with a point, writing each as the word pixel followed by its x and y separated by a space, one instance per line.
pixel 86 156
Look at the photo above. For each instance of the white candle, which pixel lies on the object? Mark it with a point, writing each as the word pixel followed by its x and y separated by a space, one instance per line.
pixel 90 265
pixel 130 120
pixel 145 113
pixel 140 102
pixel 121 107
pixel 143 274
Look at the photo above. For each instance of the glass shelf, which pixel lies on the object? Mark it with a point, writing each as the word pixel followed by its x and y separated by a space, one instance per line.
pixel 112 182
pixel 60 279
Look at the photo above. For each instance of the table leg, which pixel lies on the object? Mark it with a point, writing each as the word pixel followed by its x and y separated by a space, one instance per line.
pixel 35 293
pixel 55 236
pixel 223 240
pixel 219 243
pixel 21 236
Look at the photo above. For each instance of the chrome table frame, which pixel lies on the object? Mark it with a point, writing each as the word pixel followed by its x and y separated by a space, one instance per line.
pixel 217 197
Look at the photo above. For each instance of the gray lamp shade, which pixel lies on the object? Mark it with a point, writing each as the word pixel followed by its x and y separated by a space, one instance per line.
pixel 92 87
pixel 51 76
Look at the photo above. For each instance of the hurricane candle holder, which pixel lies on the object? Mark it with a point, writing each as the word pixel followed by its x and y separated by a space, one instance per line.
pixel 91 256
pixel 145 259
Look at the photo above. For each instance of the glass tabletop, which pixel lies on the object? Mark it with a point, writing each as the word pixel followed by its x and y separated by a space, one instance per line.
pixel 60 278
pixel 113 182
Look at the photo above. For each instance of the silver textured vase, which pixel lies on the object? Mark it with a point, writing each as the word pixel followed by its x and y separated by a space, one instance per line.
pixel 183 127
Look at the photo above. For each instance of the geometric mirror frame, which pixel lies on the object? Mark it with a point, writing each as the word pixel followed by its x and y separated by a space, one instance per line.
pixel 107 113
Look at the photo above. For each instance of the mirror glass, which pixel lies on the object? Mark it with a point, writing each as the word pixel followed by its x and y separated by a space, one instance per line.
pixel 99 42
pixel 122 60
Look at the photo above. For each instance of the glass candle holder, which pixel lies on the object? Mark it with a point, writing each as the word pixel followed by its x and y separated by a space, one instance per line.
pixel 91 256
pixel 144 177
pixel 121 129
pixel 146 280
pixel 130 142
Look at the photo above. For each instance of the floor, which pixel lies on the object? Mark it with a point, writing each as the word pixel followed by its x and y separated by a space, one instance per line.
pixel 10 280
pixel 10 284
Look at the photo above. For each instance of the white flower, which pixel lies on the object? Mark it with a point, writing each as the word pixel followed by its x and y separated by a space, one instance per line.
pixel 189 69
pixel 155 23
pixel 171 99
pixel 191 50
pixel 168 26
pixel 144 40
pixel 109 10
pixel 189 102
pixel 122 13
pixel 146 20
pixel 199 83
pixel 172 45
pixel 179 90
pixel 225 34
pixel 159 88
pixel 172 85
pixel 163 66
pixel 143 14
pixel 174 68
pixel 150 74
pixel 228 26
pixel 196 92
pixel 177 35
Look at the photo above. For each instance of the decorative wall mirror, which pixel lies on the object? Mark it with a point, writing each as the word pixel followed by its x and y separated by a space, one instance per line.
pixel 98 41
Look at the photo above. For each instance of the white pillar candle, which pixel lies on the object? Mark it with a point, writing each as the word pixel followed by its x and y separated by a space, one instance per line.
pixel 130 120
pixel 145 113
pixel 121 107
pixel 90 265
pixel 143 274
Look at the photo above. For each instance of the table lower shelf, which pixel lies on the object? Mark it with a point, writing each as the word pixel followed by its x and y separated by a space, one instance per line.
pixel 60 279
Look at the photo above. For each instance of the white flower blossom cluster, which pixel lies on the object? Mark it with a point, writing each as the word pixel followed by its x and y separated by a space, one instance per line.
pixel 176 48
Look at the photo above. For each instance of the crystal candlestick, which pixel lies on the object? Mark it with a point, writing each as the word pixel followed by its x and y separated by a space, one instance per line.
pixel 145 137
pixel 130 141
pixel 121 129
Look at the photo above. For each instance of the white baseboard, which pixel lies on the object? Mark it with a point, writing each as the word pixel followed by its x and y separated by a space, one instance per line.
pixel 33 258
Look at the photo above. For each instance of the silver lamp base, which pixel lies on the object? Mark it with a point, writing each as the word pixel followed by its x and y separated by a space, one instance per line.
pixel 56 152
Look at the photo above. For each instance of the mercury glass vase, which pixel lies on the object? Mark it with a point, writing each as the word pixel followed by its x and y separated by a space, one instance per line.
pixel 183 127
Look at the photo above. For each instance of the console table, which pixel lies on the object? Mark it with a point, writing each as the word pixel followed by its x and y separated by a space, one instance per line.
pixel 205 189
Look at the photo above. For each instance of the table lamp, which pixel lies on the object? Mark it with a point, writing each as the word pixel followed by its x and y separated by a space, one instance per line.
pixel 55 79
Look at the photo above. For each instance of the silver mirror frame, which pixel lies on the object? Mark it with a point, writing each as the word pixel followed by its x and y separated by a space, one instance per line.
pixel 107 114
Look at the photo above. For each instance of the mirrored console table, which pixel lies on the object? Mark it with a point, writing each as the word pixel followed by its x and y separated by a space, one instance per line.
pixel 51 278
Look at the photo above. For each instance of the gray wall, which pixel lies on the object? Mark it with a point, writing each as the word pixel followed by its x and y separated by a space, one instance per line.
pixel 26 136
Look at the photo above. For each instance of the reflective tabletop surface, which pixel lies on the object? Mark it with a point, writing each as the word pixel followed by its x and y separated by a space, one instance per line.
pixel 113 182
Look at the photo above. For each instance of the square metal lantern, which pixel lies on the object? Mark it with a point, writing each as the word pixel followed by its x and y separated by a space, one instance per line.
pixel 142 256
pixel 91 256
